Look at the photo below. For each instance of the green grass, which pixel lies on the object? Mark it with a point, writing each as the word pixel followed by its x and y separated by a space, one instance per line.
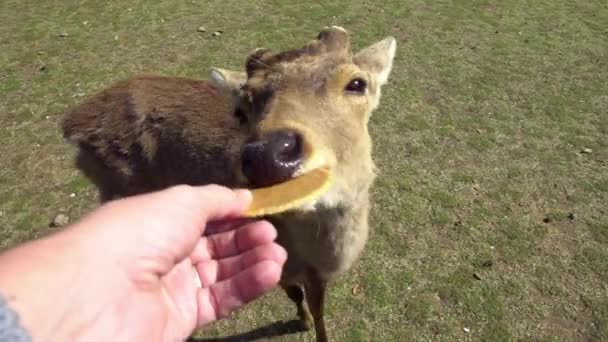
pixel 477 140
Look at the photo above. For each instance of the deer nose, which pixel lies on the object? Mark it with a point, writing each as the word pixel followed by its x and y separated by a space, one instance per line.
pixel 273 158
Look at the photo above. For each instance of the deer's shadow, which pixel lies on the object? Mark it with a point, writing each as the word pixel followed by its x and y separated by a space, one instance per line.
pixel 275 329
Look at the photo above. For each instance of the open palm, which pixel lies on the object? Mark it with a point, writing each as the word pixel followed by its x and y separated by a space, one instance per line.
pixel 158 266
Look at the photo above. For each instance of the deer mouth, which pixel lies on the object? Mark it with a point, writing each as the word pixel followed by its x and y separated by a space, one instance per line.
pixel 278 153
pixel 302 189
pixel 297 194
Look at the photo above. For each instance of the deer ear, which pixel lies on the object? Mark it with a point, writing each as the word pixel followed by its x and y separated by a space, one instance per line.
pixel 377 59
pixel 228 80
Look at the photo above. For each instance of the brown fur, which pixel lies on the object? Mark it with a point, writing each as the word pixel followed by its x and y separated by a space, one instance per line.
pixel 144 134
pixel 152 132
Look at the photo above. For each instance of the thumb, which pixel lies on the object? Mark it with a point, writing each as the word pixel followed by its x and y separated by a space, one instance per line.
pixel 214 203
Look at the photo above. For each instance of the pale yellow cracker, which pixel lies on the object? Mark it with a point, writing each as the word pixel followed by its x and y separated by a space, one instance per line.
pixel 290 194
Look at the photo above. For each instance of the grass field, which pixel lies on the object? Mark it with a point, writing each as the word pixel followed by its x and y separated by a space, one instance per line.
pixel 487 214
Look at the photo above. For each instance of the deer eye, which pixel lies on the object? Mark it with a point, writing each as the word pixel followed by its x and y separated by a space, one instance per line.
pixel 357 85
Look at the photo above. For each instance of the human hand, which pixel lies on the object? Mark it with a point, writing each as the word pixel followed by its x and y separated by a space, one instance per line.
pixel 129 270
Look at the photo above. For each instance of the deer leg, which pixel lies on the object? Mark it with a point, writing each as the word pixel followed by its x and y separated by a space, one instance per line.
pixel 295 293
pixel 315 296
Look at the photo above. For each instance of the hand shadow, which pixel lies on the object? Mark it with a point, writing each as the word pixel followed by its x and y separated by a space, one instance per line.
pixel 275 329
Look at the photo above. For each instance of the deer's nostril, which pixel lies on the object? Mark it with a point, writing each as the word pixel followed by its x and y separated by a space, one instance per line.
pixel 273 158
pixel 288 147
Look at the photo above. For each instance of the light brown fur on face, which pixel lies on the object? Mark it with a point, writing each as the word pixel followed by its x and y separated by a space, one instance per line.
pixel 308 96
pixel 152 132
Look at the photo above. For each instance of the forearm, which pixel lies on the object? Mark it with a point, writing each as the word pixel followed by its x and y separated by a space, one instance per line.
pixel 38 280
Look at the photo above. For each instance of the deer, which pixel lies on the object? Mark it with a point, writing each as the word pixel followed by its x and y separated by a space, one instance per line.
pixel 253 128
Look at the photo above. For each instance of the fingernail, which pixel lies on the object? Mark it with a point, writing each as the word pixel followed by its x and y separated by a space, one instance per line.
pixel 244 194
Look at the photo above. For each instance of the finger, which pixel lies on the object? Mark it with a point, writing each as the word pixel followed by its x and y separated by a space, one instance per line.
pixel 210 202
pixel 233 242
pixel 221 298
pixel 214 271
pixel 220 202
pixel 216 227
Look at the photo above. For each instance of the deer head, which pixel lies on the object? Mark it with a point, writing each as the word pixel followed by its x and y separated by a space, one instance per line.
pixel 310 107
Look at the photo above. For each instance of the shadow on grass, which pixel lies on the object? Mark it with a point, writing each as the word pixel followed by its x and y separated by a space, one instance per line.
pixel 276 329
